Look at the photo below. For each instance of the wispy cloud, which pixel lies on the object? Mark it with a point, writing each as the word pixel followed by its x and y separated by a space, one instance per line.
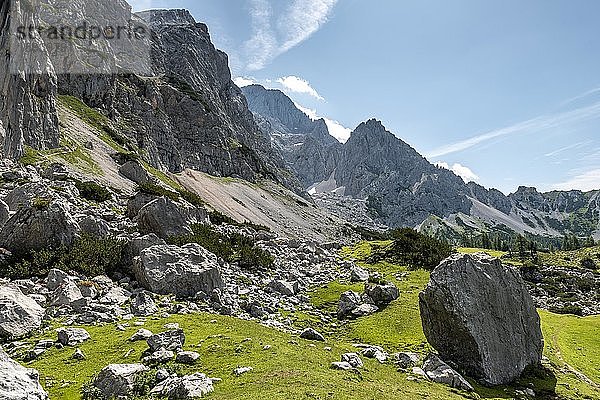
pixel 579 97
pixel 566 148
pixel 465 173
pixel 242 81
pixel 273 35
pixel 336 129
pixel 530 126
pixel 586 182
pixel 139 5
pixel 299 85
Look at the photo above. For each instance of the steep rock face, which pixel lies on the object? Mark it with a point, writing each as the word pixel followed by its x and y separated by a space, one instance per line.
pixel 403 187
pixel 478 314
pixel 27 86
pixel 306 145
pixel 18 382
pixel 169 93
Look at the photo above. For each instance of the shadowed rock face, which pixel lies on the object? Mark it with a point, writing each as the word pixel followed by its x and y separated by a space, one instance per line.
pixel 27 100
pixel 479 315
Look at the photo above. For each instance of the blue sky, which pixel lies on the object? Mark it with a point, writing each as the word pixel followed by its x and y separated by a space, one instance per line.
pixel 506 93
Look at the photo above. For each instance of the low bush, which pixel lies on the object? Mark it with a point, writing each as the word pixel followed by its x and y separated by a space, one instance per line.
pixel 92 191
pixel 156 190
pixel 218 218
pixel 89 255
pixel 235 248
pixel 413 249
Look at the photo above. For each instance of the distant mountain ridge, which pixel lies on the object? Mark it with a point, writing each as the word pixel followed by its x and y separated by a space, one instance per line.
pixel 402 188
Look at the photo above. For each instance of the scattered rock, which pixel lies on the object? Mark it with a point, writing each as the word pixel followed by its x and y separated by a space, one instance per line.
pixel 311 334
pixel 342 366
pixel 282 287
pixel 56 278
pixel 118 379
pixel 72 336
pixel 142 334
pixel 66 294
pixel 382 295
pixel 143 305
pixel 187 387
pixel 358 274
pixel 440 372
pixel 183 271
pixel 377 353
pixel 406 360
pixel 20 315
pixel 160 356
pixel 187 357
pixel 170 340
pixel 242 370
pixel 78 355
pixel 478 314
pixel 17 382
pixel 353 359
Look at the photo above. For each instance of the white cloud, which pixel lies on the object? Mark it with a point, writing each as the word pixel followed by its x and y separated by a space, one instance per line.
pixel 337 130
pixel 299 85
pixel 305 17
pixel 533 125
pixel 465 173
pixel 139 5
pixel 242 81
pixel 274 35
pixel 311 112
pixel 585 182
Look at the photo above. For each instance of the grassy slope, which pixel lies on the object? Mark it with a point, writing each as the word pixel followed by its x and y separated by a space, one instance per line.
pixel 298 369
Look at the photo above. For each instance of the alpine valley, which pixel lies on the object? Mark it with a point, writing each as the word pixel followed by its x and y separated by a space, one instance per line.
pixel 166 234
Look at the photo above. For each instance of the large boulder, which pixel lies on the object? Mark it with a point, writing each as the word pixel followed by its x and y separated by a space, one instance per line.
pixel 118 379
pixel 40 224
pixel 19 314
pixel 478 314
pixel 382 295
pixel 4 213
pixel 184 388
pixel 169 340
pixel 167 218
pixel 135 171
pixel 18 382
pixel 183 271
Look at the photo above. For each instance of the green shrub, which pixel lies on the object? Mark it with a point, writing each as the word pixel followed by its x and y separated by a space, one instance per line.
pixel 235 248
pixel 156 190
pixel 413 249
pixel 218 218
pixel 589 263
pixel 89 255
pixel 191 198
pixel 41 203
pixel 93 191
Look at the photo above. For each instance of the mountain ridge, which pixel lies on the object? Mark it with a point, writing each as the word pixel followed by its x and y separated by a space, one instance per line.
pixel 403 188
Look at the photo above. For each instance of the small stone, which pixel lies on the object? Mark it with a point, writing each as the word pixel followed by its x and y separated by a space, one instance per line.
pixel 187 357
pixel 159 357
pixel 72 336
pixel 311 334
pixel 242 370
pixel 142 334
pixel 78 355
pixel 342 366
pixel 353 359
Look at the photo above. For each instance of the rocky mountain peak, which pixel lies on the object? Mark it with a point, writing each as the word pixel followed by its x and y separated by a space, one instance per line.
pixel 167 17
